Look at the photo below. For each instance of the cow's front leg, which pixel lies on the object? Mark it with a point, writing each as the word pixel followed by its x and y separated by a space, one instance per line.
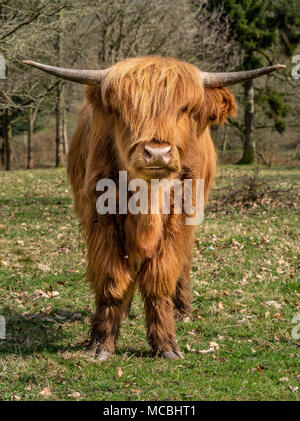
pixel 107 319
pixel 161 327
pixel 110 278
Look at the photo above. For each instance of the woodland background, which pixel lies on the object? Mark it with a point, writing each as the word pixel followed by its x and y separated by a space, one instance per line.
pixel 37 111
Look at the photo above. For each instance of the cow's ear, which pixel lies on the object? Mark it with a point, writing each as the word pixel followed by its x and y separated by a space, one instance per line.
pixel 219 103
pixel 94 97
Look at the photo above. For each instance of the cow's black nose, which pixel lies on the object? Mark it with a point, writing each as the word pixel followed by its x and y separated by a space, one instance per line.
pixel 157 154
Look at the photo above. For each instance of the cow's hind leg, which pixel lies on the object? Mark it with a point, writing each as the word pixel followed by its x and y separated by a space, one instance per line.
pixel 106 321
pixel 183 297
pixel 161 327
pixel 127 307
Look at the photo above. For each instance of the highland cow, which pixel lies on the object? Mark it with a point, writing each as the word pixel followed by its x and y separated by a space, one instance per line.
pixel 149 116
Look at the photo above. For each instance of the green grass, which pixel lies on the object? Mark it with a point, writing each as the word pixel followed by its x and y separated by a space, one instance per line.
pixel 246 290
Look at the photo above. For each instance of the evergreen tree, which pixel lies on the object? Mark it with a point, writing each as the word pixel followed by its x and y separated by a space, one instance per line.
pixel 265 31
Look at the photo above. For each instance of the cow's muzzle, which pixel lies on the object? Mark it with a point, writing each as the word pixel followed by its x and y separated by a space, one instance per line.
pixel 157 156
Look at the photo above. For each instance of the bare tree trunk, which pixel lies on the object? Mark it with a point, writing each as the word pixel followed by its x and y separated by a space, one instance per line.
pixel 64 133
pixel 59 126
pixel 2 154
pixel 30 138
pixel 224 143
pixel 59 158
pixel 249 152
pixel 7 136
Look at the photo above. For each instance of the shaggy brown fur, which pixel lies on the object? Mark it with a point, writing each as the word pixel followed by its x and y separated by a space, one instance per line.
pixel 155 101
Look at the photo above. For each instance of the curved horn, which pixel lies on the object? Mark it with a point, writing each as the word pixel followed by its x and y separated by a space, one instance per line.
pixel 87 77
pixel 218 80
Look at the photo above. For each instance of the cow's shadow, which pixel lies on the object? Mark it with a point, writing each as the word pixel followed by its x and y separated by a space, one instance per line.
pixel 33 333
pixel 46 332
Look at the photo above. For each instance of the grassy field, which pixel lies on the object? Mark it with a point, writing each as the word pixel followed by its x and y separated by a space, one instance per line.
pixel 245 280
